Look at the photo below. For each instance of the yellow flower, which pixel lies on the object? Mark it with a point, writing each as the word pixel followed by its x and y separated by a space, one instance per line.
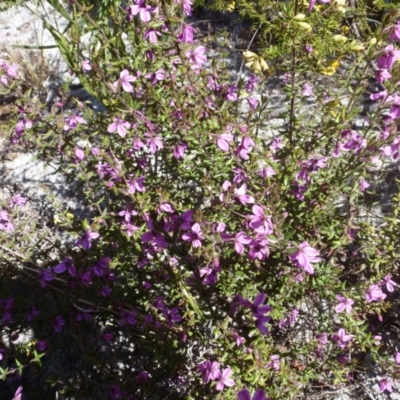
pixel 339 38
pixel 299 17
pixel 231 6
pixel 356 46
pixel 304 26
pixel 330 68
pixel 254 62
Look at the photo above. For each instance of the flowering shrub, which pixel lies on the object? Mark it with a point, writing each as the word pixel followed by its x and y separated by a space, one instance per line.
pixel 222 253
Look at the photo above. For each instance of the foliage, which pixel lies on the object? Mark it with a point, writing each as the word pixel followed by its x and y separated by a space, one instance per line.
pixel 224 244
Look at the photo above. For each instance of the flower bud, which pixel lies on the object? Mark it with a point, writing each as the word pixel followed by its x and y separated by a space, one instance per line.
pixel 339 38
pixel 304 26
pixel 299 17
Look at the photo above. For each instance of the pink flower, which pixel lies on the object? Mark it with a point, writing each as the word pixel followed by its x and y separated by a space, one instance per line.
pixel 344 304
pixel 304 256
pixel 86 66
pixel 152 34
pixel 143 10
pixel 195 236
pixel 389 57
pixel 120 126
pixel 5 222
pixel 307 90
pixel 18 393
pixel 136 185
pixel 72 122
pixel 186 35
pixel 224 379
pixel 64 266
pixel 124 79
pixel 210 371
pixel 385 384
pixel 242 196
pixel 389 283
pixel 16 200
pixel 186 6
pixel 397 357
pixel 79 154
pixel 382 75
pixel 244 394
pixel 374 293
pixel 154 143
pixel 197 56
pixel 274 363
pixel 363 184
pixel 260 222
pixel 395 32
pixel 179 150
pixel 223 141
pixel 341 338
pixel 85 240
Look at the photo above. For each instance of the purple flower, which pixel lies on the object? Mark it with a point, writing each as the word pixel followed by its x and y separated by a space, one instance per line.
pixel 41 345
pixel 58 323
pixel 304 256
pixel 385 384
pixel 85 65
pixel 260 222
pixel 152 34
pixel 244 394
pixel 186 6
pixel 382 75
pixel 143 10
pixel 79 154
pixel 395 32
pixel 85 240
pixel 274 363
pixel 231 93
pixel 210 371
pixel 253 102
pixel 225 380
pixel 157 76
pixel 389 57
pixel 154 143
pixel 72 122
pixel 344 304
pixel 124 79
pixel 46 276
pixel 197 56
pixel 223 141
pixel 5 222
pixel 18 394
pixel 240 239
pixel 258 308
pixel 261 322
pixel 65 265
pixel 397 358
pixel 341 338
pixel 363 184
pixel 195 236
pixel 127 213
pixel 172 316
pixel 136 185
pixel 120 126
pixel 389 283
pixel 307 90
pixel 179 150
pixel 374 293
pixel 186 35
pixel 242 196
pixel 17 200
